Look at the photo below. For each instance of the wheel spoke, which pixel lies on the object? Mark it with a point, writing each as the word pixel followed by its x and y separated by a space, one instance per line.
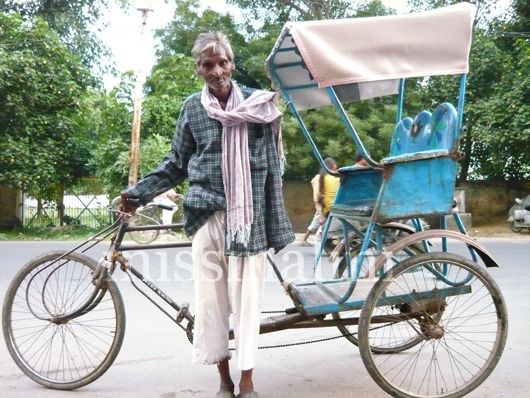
pixel 55 352
pixel 462 333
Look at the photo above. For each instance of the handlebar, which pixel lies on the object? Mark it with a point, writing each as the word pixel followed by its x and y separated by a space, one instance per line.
pixel 136 202
pixel 133 202
pixel 164 206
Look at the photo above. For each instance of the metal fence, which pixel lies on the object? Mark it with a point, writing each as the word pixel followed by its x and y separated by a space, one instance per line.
pixel 79 210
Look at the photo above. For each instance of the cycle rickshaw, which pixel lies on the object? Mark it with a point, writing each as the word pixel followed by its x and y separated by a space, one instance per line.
pixel 429 322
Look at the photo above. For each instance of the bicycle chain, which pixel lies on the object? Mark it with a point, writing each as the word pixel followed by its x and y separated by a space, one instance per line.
pixel 189 333
pixel 311 341
pixel 266 347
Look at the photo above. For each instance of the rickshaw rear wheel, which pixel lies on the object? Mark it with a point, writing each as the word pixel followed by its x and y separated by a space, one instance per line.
pixel 460 347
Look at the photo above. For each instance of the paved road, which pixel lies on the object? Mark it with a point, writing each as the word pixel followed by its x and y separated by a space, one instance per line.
pixel 155 358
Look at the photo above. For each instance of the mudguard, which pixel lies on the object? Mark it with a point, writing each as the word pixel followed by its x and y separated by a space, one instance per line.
pixel 417 237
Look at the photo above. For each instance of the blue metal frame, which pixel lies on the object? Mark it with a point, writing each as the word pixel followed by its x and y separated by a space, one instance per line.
pixel 349 127
pixel 371 226
pixel 461 102
pixel 294 111
pixel 401 100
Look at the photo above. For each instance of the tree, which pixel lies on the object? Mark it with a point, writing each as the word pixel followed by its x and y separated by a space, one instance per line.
pixel 171 82
pixel 111 113
pixel 178 37
pixel 41 86
pixel 281 11
pixel 505 124
pixel 373 121
pixel 173 79
pixel 496 112
pixel 76 22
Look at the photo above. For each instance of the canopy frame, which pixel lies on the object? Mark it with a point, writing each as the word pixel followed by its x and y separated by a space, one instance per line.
pixel 299 84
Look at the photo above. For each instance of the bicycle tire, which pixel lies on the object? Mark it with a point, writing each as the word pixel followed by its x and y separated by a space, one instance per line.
pixel 514 228
pixel 460 347
pixel 144 237
pixel 73 353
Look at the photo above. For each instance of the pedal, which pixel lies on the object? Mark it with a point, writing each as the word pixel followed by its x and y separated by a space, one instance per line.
pixel 183 313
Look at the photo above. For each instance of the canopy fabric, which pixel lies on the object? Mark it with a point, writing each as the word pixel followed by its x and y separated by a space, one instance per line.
pixel 380 48
pixel 365 57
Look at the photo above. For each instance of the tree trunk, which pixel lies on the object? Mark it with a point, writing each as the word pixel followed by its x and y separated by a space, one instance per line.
pixel 39 208
pixel 60 204
pixel 468 143
pixel 135 141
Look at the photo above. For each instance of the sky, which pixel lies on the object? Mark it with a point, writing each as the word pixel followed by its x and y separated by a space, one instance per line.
pixel 133 46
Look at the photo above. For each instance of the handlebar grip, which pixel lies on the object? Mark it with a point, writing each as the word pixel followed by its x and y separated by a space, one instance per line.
pixel 165 207
pixel 133 202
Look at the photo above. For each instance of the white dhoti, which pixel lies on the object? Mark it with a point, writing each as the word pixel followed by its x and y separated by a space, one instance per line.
pixel 224 286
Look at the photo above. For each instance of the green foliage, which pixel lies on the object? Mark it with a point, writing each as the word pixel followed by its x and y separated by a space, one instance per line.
pixel 281 11
pixel 153 149
pixel 76 22
pixel 113 119
pixel 497 99
pixel 502 130
pixel 115 175
pixel 172 81
pixel 258 48
pixel 178 37
pixel 373 121
pixel 41 84
pixel 55 130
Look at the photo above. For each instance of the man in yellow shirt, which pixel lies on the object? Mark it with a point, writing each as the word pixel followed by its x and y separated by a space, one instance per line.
pixel 325 187
pixel 328 188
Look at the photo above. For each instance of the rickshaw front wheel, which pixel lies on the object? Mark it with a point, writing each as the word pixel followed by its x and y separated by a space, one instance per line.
pixel 63 354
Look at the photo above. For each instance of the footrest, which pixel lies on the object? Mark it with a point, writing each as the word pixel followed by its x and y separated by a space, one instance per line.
pixel 321 297
pixel 318 298
pixel 358 210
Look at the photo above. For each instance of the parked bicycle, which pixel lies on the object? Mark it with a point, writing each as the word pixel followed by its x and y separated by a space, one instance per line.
pixel 148 215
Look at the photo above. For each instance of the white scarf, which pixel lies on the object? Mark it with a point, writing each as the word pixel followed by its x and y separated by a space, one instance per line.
pixel 260 107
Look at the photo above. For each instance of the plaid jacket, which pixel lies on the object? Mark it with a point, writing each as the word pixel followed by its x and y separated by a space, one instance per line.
pixel 196 155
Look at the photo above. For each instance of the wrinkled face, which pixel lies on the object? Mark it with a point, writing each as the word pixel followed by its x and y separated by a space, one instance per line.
pixel 216 69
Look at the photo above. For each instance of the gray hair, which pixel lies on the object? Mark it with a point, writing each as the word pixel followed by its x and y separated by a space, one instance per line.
pixel 211 41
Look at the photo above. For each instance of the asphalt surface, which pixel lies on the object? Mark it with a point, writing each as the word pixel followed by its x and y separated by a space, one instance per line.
pixel 155 357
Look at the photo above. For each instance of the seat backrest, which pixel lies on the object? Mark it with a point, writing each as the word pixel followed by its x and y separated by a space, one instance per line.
pixel 426 132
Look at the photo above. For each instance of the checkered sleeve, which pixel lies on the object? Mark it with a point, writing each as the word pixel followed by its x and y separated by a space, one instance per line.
pixel 278 226
pixel 174 167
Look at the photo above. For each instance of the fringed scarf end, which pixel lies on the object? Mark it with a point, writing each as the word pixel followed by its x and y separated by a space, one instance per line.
pixel 241 235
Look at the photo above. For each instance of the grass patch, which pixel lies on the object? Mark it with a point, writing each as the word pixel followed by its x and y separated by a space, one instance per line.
pixel 50 233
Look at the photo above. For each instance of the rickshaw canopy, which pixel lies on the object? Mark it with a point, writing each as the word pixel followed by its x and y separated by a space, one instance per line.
pixel 364 58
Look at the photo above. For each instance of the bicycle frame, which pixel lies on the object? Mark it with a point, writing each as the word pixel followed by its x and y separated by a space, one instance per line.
pixel 293 318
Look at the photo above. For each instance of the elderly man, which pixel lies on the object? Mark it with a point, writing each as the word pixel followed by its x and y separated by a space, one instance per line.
pixel 228 144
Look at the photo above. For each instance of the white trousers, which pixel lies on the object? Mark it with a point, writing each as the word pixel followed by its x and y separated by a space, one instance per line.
pixel 225 285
